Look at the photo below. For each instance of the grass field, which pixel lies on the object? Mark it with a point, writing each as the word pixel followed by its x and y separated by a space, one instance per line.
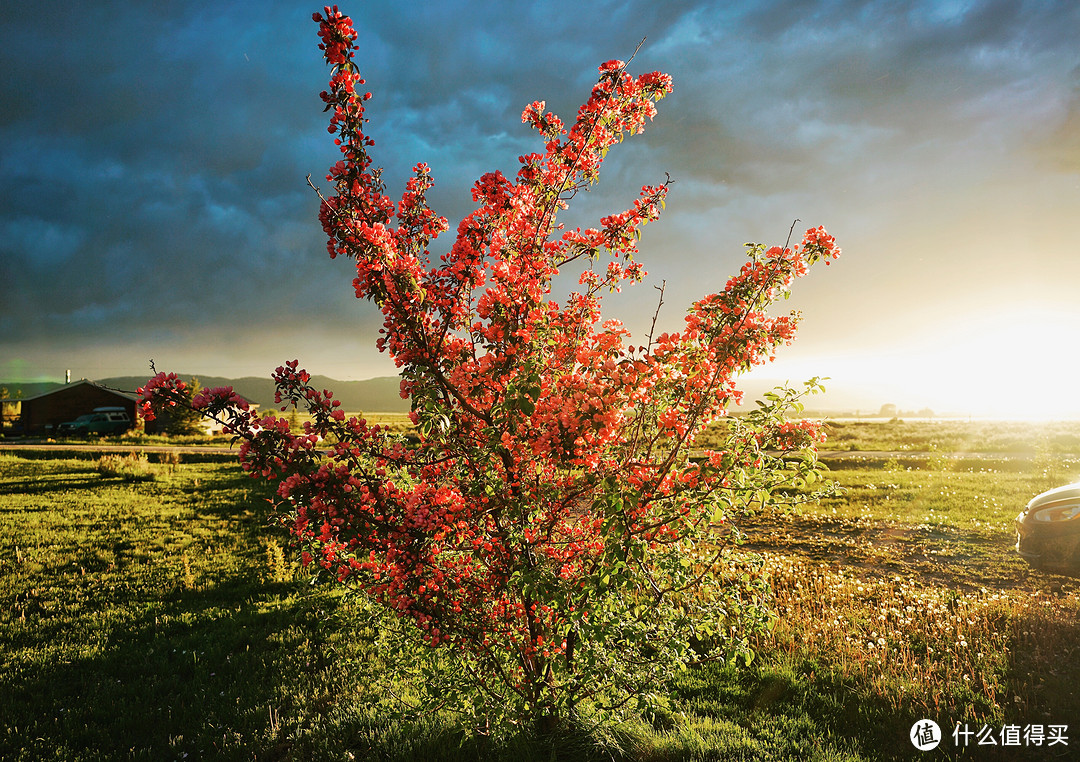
pixel 151 610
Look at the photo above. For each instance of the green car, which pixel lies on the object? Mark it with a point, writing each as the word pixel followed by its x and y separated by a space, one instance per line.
pixel 104 420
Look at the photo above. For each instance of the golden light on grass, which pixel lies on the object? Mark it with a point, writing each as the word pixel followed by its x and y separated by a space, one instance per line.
pixel 910 643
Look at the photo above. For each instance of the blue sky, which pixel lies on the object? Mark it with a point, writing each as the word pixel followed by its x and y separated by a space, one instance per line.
pixel 153 201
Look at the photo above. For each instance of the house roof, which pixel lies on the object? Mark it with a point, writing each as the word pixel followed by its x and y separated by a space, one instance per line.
pixel 73 384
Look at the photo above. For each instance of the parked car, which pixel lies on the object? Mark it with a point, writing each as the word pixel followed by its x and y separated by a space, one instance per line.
pixel 104 420
pixel 1048 530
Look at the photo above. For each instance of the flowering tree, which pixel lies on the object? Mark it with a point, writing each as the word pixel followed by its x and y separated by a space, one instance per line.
pixel 176 416
pixel 549 537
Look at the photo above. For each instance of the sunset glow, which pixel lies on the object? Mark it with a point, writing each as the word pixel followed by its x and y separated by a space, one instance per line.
pixel 1017 364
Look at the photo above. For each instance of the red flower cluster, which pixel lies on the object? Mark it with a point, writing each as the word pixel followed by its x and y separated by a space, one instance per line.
pixel 218 397
pixel 164 388
pixel 337 35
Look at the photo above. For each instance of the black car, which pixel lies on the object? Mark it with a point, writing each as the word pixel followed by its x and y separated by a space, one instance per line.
pixel 1048 530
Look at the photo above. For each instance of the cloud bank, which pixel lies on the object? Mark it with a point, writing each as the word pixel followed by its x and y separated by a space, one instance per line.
pixel 153 200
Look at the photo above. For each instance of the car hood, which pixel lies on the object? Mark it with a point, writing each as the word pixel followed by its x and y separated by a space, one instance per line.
pixel 1058 504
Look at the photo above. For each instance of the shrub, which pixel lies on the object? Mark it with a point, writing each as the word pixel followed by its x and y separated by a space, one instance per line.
pixel 133 467
pixel 547 537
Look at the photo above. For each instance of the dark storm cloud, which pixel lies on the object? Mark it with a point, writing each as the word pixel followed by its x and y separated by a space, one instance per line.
pixel 451 79
pixel 788 88
pixel 153 165
pixel 153 155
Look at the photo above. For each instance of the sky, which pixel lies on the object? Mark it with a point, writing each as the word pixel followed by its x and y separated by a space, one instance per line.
pixel 153 202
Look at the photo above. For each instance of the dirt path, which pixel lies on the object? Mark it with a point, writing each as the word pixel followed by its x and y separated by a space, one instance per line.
pixel 957 558
pixel 878 455
pixel 121 448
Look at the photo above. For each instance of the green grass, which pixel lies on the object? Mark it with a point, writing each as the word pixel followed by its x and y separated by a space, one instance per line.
pixel 162 619
pixel 1025 437
pixel 145 619
pixel 151 610
pixel 983 496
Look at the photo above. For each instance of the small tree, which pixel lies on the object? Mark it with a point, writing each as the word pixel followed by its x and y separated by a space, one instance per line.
pixel 549 539
pixel 185 420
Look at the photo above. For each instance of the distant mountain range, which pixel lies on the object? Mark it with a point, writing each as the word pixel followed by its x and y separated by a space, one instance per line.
pixel 373 395
pixel 380 395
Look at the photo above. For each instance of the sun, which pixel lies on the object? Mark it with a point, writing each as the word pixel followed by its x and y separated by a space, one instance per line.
pixel 999 361
pixel 1019 362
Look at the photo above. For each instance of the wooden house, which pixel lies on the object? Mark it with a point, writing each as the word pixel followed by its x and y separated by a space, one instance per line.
pixel 43 413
